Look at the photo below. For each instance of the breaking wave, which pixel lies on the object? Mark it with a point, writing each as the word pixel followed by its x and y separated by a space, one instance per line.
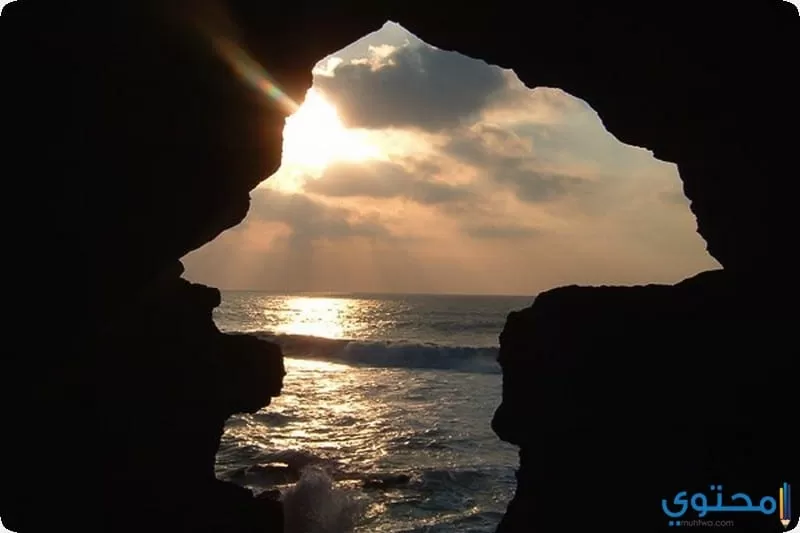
pixel 388 354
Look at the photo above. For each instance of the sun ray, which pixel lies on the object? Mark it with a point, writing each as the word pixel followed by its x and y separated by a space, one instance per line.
pixel 253 74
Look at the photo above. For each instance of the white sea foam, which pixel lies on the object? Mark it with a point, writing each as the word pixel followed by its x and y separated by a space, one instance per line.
pixel 315 505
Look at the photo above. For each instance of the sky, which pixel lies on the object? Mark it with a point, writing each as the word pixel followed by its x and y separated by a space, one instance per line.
pixel 413 169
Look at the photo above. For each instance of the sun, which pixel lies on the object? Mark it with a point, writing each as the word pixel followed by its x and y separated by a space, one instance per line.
pixel 314 137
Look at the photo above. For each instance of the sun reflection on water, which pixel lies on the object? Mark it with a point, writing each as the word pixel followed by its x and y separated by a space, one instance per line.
pixel 313 365
pixel 325 409
pixel 318 317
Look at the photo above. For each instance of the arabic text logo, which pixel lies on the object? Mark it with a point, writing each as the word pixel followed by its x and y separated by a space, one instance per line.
pixel 740 502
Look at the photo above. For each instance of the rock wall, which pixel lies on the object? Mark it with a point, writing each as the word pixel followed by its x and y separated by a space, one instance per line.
pixel 620 397
pixel 132 144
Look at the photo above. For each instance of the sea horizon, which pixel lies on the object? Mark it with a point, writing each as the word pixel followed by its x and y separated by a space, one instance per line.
pixel 334 293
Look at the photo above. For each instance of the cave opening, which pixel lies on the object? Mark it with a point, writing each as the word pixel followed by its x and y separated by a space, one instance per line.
pixel 148 151
pixel 422 196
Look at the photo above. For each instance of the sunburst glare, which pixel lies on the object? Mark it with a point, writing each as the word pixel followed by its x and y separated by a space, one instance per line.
pixel 314 137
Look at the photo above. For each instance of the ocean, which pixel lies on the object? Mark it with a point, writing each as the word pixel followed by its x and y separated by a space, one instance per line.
pixel 384 420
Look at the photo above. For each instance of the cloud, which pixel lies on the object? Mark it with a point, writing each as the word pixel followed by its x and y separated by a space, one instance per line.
pixel 500 231
pixel 310 220
pixel 488 145
pixel 388 179
pixel 535 187
pixel 508 159
pixel 419 87
pixel 518 103
pixel 390 34
pixel 675 197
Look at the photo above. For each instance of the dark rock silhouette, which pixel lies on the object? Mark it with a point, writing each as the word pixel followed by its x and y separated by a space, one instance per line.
pixel 130 143
pixel 134 145
pixel 620 397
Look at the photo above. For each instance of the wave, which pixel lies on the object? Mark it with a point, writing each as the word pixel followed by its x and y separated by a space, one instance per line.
pixel 285 467
pixel 388 354
pixel 315 505
pixel 343 495
pixel 314 502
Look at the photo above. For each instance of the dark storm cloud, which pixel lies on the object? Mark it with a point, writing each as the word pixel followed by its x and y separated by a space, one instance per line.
pixel 384 179
pixel 414 87
pixel 308 219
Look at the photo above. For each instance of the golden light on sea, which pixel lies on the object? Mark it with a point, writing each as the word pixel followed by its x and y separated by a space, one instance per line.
pixel 317 317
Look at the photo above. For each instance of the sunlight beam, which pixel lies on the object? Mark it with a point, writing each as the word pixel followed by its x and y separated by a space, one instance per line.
pixel 251 72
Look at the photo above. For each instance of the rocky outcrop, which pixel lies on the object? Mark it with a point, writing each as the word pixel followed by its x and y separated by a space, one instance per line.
pixel 170 384
pixel 136 420
pixel 131 143
pixel 620 397
pixel 115 399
